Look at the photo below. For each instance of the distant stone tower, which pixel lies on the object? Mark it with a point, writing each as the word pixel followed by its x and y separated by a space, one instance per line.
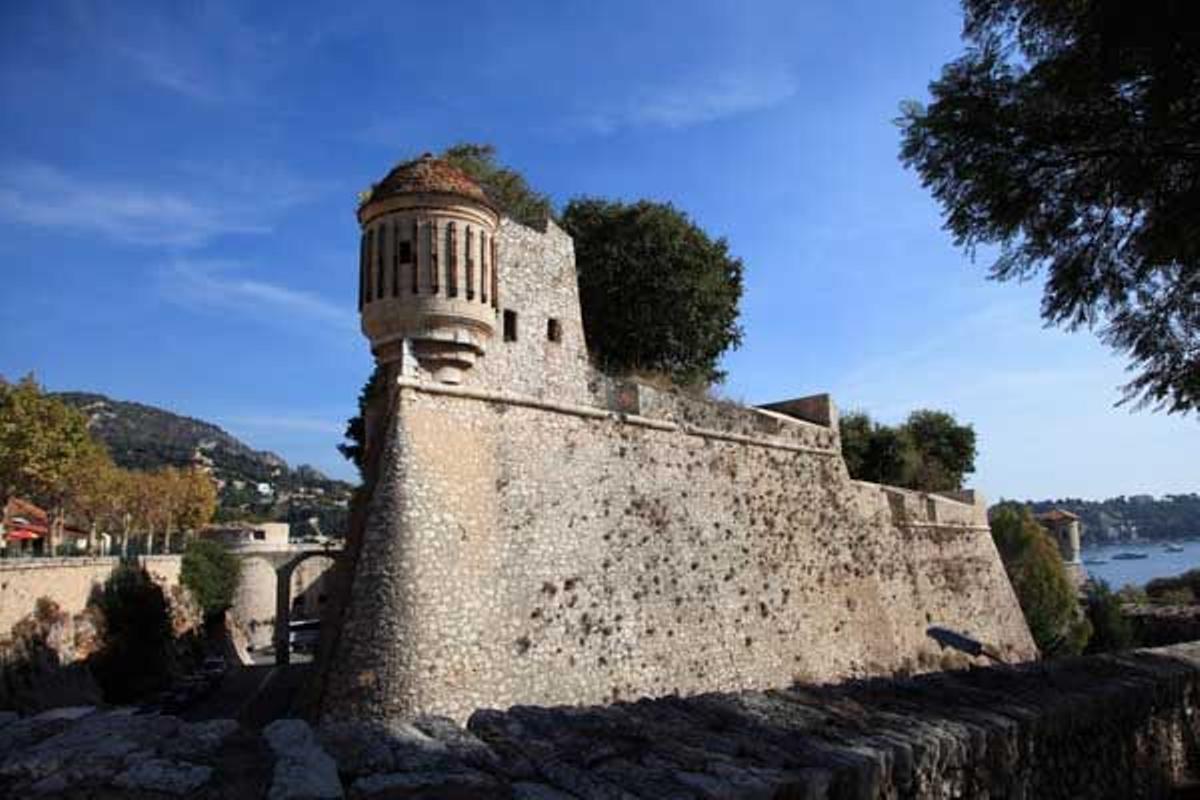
pixel 1065 528
pixel 427 268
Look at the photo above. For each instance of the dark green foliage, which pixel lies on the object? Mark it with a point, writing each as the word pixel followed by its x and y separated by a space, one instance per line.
pixel 658 294
pixel 945 450
pixel 1111 629
pixel 505 187
pixel 1068 136
pixel 1035 568
pixel 1177 590
pixel 1171 517
pixel 354 448
pixel 136 658
pixel 856 430
pixel 1132 594
pixel 930 451
pixel 211 573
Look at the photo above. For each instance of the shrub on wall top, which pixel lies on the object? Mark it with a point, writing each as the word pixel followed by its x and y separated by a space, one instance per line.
pixel 211 574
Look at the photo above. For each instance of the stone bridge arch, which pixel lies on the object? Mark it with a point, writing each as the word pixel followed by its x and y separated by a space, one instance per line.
pixel 284 571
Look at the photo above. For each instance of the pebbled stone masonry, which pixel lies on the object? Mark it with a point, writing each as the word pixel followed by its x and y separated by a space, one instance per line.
pixel 543 533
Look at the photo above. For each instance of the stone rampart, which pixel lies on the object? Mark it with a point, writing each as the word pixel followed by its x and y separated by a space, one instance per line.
pixel 522 550
pixel 539 532
pixel 69 582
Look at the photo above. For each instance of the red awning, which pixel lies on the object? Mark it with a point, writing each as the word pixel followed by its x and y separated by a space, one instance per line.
pixel 21 534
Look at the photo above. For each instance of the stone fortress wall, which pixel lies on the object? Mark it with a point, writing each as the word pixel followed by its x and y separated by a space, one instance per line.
pixel 541 533
pixel 69 582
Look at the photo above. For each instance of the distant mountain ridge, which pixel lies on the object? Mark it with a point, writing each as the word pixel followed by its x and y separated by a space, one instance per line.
pixel 253 484
pixel 139 436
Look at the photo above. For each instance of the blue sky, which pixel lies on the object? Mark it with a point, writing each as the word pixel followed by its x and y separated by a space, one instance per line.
pixel 177 185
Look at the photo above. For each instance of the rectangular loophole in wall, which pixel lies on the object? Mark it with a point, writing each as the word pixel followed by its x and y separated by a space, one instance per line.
pixel 510 325
pixel 405 252
pixel 553 330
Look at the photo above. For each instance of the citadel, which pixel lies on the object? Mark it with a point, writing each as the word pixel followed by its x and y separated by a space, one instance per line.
pixel 537 532
pixel 566 584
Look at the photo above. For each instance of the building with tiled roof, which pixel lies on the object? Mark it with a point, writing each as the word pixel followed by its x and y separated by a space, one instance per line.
pixel 1057 515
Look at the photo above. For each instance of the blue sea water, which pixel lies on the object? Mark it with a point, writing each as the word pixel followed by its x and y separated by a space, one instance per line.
pixel 1158 564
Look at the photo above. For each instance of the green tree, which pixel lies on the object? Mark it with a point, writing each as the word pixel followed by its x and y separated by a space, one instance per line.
pixel 505 187
pixel 658 294
pixel 929 452
pixel 876 452
pixel 354 448
pixel 890 457
pixel 41 440
pixel 855 429
pixel 1038 577
pixel 211 573
pixel 1111 629
pixel 1068 137
pixel 43 443
pixel 943 450
pixel 1178 590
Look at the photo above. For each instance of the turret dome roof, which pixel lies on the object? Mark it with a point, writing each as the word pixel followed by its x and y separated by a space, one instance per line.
pixel 427 174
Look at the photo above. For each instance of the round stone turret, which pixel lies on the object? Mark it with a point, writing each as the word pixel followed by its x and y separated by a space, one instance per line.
pixel 427 267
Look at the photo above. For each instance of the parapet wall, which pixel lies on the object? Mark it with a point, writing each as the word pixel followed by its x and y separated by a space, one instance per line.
pixel 69 582
pixel 521 551
pixel 1103 728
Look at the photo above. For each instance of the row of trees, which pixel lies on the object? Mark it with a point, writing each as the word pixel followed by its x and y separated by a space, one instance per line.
pixel 48 456
pixel 930 451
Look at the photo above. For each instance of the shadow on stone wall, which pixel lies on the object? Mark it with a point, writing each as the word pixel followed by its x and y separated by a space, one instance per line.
pixel 39 670
pixel 124 647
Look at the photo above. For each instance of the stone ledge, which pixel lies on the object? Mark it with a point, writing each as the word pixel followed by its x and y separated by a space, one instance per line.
pixel 1112 726
pixel 591 412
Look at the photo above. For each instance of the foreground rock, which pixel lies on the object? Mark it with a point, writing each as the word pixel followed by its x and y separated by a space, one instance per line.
pixel 1103 727
pixel 303 771
pixel 72 750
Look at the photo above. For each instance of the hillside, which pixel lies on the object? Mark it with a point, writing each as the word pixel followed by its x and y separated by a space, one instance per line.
pixel 254 484
pixel 1139 517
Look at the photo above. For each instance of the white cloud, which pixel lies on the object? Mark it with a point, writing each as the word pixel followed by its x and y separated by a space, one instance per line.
pixel 224 200
pixel 213 284
pixel 204 52
pixel 698 101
